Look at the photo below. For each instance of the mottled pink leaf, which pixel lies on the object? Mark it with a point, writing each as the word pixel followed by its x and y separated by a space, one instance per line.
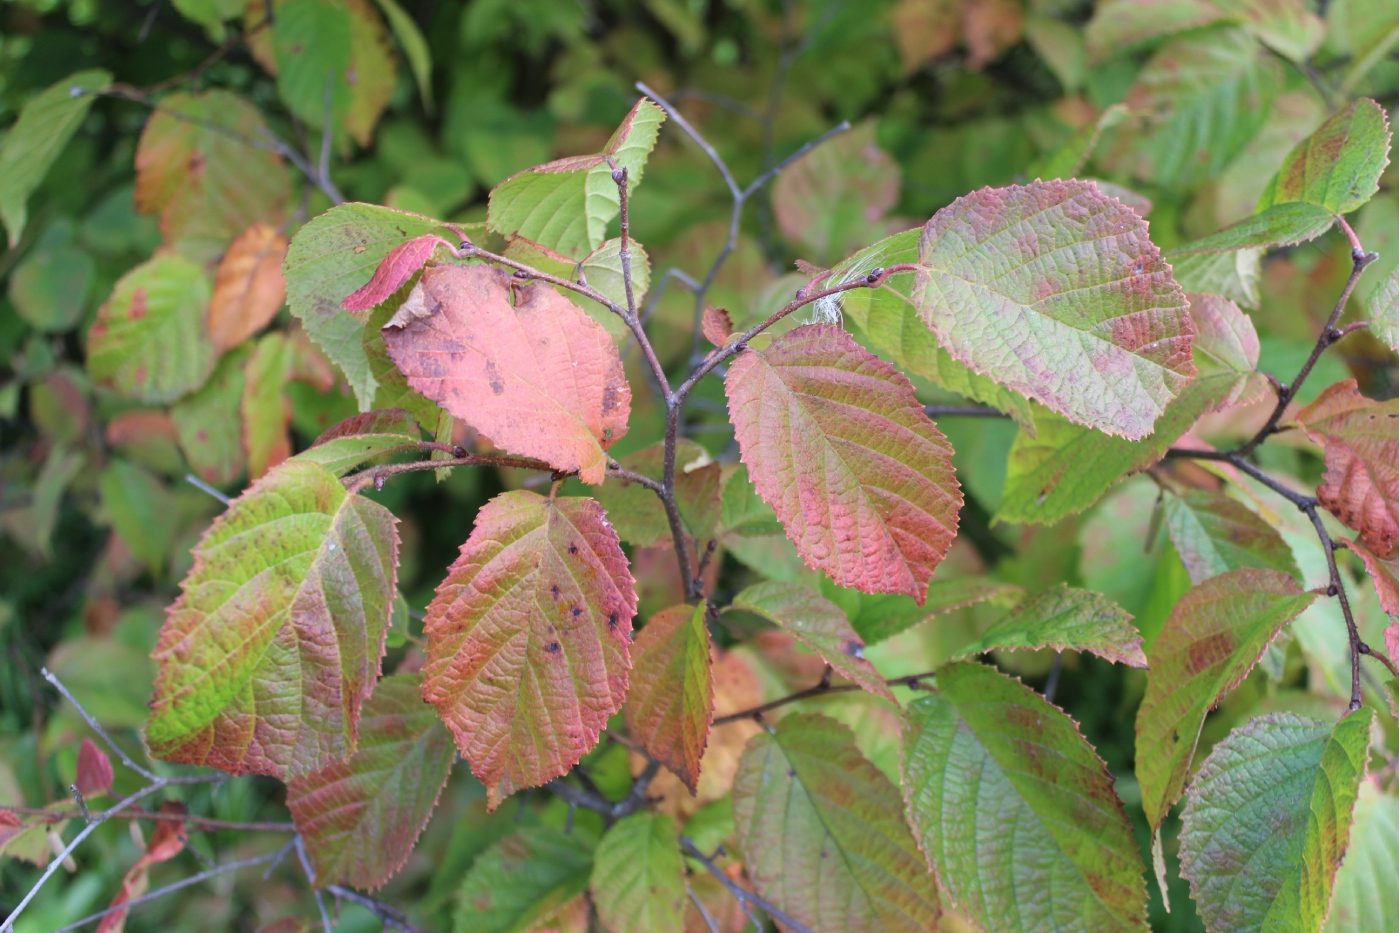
pixel 94 772
pixel 397 268
pixel 672 697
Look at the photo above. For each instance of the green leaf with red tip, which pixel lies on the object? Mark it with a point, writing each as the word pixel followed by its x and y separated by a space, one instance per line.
pixel 523 879
pixel 1268 818
pixel 836 442
pixel 1213 638
pixel 566 205
pixel 361 817
pixel 1050 846
pixel 819 624
pixel 1215 534
pixel 336 254
pixel 1066 619
pixel 638 881
pixel 1338 167
pixel 277 635
pixel 346 445
pixel 671 700
pixel 822 832
pixel 536 375
pixel 529 639
pixel 149 341
pixel 1055 291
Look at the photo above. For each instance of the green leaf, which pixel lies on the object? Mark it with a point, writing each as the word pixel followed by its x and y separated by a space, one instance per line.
pixel 1084 316
pixel 50 286
pixel 602 269
pixel 1215 534
pixel 529 639
pixel 139 507
pixel 1231 274
pixel 1204 96
pixel 334 255
pixel 1050 846
pixel 356 440
pixel 822 832
pixel 837 443
pixel 878 616
pixel 638 877
pixel 521 880
pixel 567 205
pixel 1214 637
pixel 209 422
pixel 742 512
pixel 45 126
pixel 1338 167
pixel 1065 619
pixel 311 42
pixel 1120 26
pixel 819 624
pixel 415 47
pixel 671 699
pixel 277 635
pixel 1365 891
pixel 1280 225
pixel 361 817
pixel 211 14
pixel 109 677
pixel 150 342
pixel 637 512
pixel 1383 307
pixel 1267 821
pixel 267 415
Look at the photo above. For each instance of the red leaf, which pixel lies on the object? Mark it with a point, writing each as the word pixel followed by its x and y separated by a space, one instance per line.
pixel 540 378
pixel 529 639
pixel 396 269
pixel 94 775
pixel 838 445
pixel 716 326
pixel 671 701
pixel 379 421
pixel 1360 446
pixel 167 842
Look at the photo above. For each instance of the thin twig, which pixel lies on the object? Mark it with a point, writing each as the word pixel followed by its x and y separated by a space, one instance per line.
pixel 743 895
pixel 823 687
pixel 377 475
pixel 389 915
pixel 96 726
pixel 311 878
pixel 964 411
pixel 202 486
pixel 699 905
pixel 195 823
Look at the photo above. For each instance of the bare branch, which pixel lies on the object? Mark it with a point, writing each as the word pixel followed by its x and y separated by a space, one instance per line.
pixel 389 915
pixel 745 897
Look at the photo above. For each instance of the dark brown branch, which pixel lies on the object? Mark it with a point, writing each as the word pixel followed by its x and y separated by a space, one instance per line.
pixel 377 475
pixel 964 411
pixel 744 896
pixel 195 823
pixel 593 800
pixel 823 687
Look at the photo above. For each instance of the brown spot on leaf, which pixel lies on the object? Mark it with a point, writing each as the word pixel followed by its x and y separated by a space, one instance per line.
pixel 493 378
pixel 1208 652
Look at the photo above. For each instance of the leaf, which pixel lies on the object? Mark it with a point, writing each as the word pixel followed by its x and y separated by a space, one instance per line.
pixel 1383 309
pixel 566 205
pixel 1214 636
pixel 1204 95
pixel 637 512
pixel 1065 619
pixel 356 440
pixel 267 415
pixel 1280 225
pixel 671 701
pixel 822 834
pixel 602 269
pixel 93 777
pixel 884 615
pixel 1359 441
pixel 742 512
pixel 361 817
pixel 139 508
pixel 415 47
pixel 1064 468
pixel 540 378
pixel 149 341
pixel 1338 167
pixel 1051 846
pixel 1267 821
pixel 277 635
pixel 1365 887
pixel 716 326
pixel 249 288
pixel 311 43
pixel 45 125
pixel 202 166
pixel 49 288
pixel 1119 26
pixel 1383 575
pixel 521 880
pixel 332 256
pixel 373 75
pixel 209 422
pixel 529 639
pixel 401 264
pixel 1215 534
pixel 836 442
pixel 167 841
pixel 1087 320
pixel 638 877
pixel 819 624
pixel 1230 274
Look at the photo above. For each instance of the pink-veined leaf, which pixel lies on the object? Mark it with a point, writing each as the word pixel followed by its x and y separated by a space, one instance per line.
pixel 1055 291
pixel 529 639
pixel 167 841
pixel 671 700
pixel 93 777
pixel 823 835
pixel 277 635
pixel 1015 811
pixel 361 817
pixel 1066 619
pixel 346 445
pixel 397 268
pixel 1361 444
pixel 819 624
pixel 638 879
pixel 539 377
pixel 836 442
pixel 1213 638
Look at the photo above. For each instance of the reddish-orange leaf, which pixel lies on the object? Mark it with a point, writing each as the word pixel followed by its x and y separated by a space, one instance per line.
pixel 539 377
pixel 94 773
pixel 249 288
pixel 838 445
pixel 716 326
pixel 1361 446
pixel 529 639
pixel 167 841
pixel 672 698
pixel 397 268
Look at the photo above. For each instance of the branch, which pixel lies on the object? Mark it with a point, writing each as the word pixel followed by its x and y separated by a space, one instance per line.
pixel 964 411
pixel 389 915
pixel 377 475
pixel 745 897
pixel 821 688
pixel 593 800
pixel 196 823
pixel 311 879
